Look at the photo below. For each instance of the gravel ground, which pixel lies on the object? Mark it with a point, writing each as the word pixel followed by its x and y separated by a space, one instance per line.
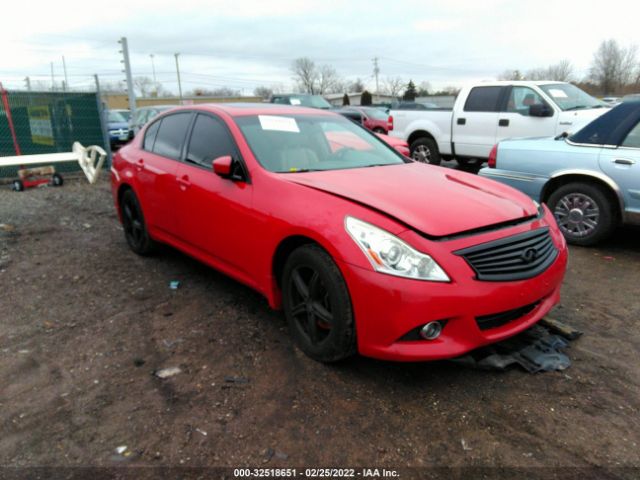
pixel 84 324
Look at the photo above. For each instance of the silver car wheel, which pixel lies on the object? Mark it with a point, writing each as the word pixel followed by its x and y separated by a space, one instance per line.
pixel 577 214
pixel 422 153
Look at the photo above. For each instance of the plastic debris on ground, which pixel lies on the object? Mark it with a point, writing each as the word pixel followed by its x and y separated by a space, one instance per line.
pixel 537 349
pixel 174 284
pixel 167 372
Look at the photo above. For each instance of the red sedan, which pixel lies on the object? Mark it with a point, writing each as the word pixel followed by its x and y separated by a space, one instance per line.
pixel 365 250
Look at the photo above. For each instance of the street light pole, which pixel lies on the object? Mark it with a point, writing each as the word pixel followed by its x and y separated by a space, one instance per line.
pixel 178 73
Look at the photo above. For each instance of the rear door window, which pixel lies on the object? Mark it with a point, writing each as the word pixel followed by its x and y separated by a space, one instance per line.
pixel 171 135
pixel 210 139
pixel 483 99
pixel 150 136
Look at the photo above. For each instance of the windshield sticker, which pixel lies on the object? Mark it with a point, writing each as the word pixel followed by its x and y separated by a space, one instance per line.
pixel 295 101
pixel 280 124
pixel 555 93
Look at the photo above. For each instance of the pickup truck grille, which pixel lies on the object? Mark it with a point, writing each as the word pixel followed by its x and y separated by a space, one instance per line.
pixel 517 257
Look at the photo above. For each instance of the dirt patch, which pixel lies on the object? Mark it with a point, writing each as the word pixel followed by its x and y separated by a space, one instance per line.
pixel 85 323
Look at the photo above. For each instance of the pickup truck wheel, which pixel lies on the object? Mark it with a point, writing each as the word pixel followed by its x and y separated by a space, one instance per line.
pixel 425 150
pixel 584 213
pixel 380 130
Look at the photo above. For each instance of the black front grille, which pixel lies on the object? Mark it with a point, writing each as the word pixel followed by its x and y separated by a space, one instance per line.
pixel 498 319
pixel 513 258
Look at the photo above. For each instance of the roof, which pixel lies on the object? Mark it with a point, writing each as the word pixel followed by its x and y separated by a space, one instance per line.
pixel 245 109
pixel 516 82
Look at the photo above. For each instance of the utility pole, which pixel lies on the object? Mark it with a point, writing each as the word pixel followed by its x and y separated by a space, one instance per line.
pixel 103 120
pixel 179 83
pixel 376 71
pixel 27 82
pixel 53 82
pixel 153 68
pixel 127 71
pixel 66 79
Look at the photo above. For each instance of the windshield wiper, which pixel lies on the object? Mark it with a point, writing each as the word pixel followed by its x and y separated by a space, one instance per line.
pixel 577 107
pixel 301 170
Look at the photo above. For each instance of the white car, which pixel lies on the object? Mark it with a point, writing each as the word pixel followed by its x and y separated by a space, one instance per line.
pixel 485 113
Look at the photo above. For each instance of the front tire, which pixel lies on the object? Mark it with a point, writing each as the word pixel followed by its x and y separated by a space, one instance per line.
pixel 135 228
pixel 317 305
pixel 425 150
pixel 584 213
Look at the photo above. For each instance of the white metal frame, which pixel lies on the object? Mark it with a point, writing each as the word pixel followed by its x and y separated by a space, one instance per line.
pixel 90 159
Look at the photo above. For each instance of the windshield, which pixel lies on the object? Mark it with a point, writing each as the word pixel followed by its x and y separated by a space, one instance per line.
pixel 116 117
pixel 570 97
pixel 313 101
pixel 302 143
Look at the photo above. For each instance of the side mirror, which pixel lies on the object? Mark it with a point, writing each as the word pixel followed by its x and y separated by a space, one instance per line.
pixel 540 110
pixel 222 166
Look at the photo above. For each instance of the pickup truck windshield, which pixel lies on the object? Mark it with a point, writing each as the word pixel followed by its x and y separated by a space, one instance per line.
pixel 303 143
pixel 570 97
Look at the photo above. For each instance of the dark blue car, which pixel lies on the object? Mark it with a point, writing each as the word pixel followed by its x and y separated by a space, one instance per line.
pixel 118 127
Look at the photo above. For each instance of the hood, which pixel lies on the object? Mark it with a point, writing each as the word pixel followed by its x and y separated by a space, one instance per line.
pixel 580 118
pixel 433 200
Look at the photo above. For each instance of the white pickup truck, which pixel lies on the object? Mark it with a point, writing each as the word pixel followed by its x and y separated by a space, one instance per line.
pixel 485 113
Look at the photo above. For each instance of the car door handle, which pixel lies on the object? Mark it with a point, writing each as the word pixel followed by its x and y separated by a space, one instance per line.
pixel 503 122
pixel 184 182
pixel 140 165
pixel 461 121
pixel 623 161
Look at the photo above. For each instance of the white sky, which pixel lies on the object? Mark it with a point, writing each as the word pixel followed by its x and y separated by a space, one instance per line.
pixel 242 44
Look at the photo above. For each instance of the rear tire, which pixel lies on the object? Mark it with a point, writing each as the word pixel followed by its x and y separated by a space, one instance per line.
pixel 317 305
pixel 380 130
pixel 425 150
pixel 135 228
pixel 584 213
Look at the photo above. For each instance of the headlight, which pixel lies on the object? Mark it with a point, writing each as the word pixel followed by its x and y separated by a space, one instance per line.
pixel 388 254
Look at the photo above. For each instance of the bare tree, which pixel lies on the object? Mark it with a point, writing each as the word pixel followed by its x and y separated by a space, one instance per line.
pixel 143 86
pixel 561 71
pixel 393 86
pixel 216 92
pixel 262 91
pixel 511 75
pixel 357 86
pixel 305 74
pixel 613 66
pixel 328 80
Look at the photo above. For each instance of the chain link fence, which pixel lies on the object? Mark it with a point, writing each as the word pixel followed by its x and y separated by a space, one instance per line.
pixel 48 122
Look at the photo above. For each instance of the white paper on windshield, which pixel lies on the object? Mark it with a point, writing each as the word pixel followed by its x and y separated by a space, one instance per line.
pixel 295 101
pixel 555 93
pixel 280 124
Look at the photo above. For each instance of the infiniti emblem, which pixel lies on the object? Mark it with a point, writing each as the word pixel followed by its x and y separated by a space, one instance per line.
pixel 529 255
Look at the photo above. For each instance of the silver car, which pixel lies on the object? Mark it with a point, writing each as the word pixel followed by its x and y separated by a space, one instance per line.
pixel 590 180
pixel 144 115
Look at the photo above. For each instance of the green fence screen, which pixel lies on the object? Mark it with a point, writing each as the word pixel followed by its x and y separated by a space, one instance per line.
pixel 48 122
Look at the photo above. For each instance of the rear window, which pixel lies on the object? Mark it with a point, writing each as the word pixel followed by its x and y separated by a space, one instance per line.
pixel 483 99
pixel 171 133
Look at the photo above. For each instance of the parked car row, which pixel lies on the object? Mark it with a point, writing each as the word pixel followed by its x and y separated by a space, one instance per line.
pixel 485 113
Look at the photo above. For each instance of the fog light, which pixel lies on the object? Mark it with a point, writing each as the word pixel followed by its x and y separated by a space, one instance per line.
pixel 431 330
